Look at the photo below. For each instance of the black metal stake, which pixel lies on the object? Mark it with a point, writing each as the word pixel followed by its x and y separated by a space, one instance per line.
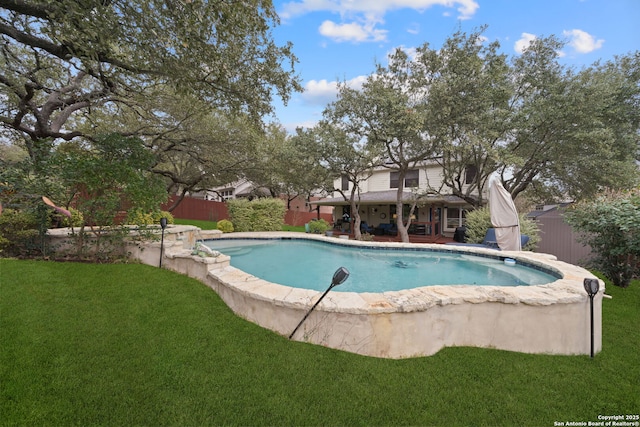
pixel 339 277
pixel 592 338
pixel 592 286
pixel 163 225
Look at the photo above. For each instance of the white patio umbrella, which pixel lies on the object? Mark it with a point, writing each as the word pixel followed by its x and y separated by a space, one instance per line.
pixel 504 215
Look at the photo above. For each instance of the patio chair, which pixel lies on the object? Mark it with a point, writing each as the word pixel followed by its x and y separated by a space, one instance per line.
pixel 386 229
pixel 365 228
pixel 489 241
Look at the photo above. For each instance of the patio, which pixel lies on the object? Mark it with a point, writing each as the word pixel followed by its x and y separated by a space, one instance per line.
pixel 413 238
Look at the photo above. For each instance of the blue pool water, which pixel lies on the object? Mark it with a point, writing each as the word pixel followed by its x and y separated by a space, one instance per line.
pixel 309 264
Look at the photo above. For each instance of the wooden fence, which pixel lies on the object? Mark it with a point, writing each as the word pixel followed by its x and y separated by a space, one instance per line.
pixel 209 210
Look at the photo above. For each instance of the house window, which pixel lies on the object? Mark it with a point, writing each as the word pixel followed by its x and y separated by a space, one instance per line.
pixel 456 217
pixel 226 195
pixel 471 172
pixel 345 182
pixel 393 179
pixel 411 179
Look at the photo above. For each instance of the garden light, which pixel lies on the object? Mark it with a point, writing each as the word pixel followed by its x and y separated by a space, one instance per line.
pixel 339 277
pixel 592 286
pixel 163 225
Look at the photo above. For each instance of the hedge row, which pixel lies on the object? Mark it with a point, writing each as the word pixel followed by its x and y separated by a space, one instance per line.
pixel 257 214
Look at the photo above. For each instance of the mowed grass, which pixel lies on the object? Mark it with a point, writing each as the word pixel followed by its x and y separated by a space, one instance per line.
pixel 130 344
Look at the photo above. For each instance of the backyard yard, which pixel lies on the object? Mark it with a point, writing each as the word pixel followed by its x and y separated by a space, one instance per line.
pixel 129 344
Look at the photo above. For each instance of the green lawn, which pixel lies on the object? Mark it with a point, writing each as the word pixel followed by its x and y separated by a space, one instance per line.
pixel 130 344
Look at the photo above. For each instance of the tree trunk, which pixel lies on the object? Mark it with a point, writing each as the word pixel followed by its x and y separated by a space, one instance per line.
pixel 355 216
pixel 403 230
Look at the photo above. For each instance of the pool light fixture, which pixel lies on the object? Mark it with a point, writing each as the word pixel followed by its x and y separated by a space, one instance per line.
pixel 163 225
pixel 339 277
pixel 592 286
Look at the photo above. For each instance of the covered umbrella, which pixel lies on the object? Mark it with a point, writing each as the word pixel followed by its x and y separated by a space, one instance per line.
pixel 58 209
pixel 504 215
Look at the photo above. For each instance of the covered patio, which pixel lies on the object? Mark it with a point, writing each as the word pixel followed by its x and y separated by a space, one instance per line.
pixel 434 221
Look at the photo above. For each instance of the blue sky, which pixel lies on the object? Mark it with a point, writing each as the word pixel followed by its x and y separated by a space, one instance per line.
pixel 341 40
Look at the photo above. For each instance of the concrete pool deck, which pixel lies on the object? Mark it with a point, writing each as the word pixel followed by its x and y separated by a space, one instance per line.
pixel 549 319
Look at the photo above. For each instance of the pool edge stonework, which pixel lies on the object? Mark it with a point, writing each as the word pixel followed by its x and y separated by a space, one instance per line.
pixel 547 319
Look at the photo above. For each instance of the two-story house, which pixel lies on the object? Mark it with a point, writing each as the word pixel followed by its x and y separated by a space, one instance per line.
pixel 435 214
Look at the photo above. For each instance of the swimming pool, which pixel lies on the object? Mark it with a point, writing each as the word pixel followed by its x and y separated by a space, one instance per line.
pixel 552 318
pixel 309 264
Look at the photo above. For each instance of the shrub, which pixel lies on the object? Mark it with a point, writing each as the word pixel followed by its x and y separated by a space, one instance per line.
pixel 76 220
pixel 479 221
pixel 257 214
pixel 318 226
pixel 140 217
pixel 20 233
pixel 225 226
pixel 611 226
pixel 163 214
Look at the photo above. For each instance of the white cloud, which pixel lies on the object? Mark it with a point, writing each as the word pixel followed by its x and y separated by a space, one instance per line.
pixel 465 8
pixel 582 41
pixel 352 32
pixel 361 16
pixel 322 92
pixel 524 42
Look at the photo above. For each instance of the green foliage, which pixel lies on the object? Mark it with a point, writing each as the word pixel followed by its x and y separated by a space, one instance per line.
pixel 479 221
pixel 76 220
pixel 140 217
pixel 611 226
pixel 163 214
pixel 102 178
pixel 193 47
pixel 318 226
pixel 20 233
pixel 106 176
pixel 225 226
pixel 257 214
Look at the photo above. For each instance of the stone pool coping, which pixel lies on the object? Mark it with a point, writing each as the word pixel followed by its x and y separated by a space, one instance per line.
pixel 567 289
pixel 550 319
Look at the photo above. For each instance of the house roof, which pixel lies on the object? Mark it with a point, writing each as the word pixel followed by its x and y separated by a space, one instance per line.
pixel 555 210
pixel 389 197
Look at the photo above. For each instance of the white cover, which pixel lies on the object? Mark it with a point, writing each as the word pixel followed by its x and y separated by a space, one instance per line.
pixel 504 215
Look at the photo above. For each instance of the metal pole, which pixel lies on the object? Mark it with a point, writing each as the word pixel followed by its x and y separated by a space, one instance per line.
pixel 163 225
pixel 339 277
pixel 309 312
pixel 161 248
pixel 592 339
pixel 591 286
